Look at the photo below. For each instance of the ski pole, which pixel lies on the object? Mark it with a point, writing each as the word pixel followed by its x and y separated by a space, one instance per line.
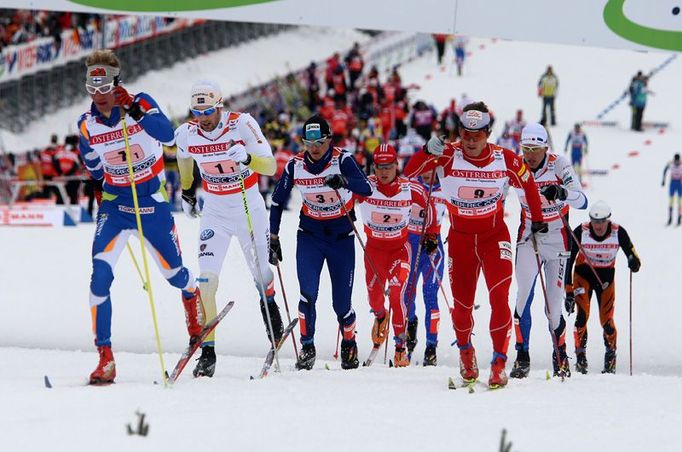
pixel 256 261
pixel 588 261
pixel 544 293
pixel 286 306
pixel 338 337
pixel 137 267
pixel 140 232
pixel 630 322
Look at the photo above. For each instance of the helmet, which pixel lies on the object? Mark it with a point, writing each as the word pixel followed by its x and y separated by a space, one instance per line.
pixel 600 211
pixel 534 135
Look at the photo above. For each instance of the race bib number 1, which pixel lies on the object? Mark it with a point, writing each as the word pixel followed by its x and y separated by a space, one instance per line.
pixel 222 167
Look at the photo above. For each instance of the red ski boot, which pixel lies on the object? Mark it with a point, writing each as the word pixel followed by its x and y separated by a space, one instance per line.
pixel 498 375
pixel 468 367
pixel 194 315
pixel 106 369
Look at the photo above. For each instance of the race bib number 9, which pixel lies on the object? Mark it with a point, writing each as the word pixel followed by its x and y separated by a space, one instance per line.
pixel 118 157
pixel 469 193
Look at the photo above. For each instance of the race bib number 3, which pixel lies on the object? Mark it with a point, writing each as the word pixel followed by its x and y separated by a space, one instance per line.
pixel 327 198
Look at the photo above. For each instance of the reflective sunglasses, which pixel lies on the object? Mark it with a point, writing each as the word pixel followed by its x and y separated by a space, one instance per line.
pixel 315 143
pixel 208 112
pixel 526 148
pixel 104 89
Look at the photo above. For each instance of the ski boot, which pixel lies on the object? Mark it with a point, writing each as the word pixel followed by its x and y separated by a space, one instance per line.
pixel 498 375
pixel 412 335
pixel 349 354
pixel 306 359
pixel 561 367
pixel 400 358
pixel 468 367
pixel 194 315
pixel 379 330
pixel 206 362
pixel 609 362
pixel 430 355
pixel 521 367
pixel 275 318
pixel 581 362
pixel 106 369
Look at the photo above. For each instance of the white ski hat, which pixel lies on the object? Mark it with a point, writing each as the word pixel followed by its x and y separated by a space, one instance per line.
pixel 600 211
pixel 534 134
pixel 205 93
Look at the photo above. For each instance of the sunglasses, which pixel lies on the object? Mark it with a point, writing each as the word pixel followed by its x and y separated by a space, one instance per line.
pixel 208 112
pixel 602 221
pixel 315 143
pixel 384 166
pixel 525 148
pixel 104 89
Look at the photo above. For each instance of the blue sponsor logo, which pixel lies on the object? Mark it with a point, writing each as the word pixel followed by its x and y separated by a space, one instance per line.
pixel 206 234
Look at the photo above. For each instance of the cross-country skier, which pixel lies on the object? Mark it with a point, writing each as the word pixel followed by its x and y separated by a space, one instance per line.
pixel 386 215
pixel 560 190
pixel 578 141
pixel 600 239
pixel 675 168
pixel 431 279
pixel 473 175
pixel 324 233
pixel 229 149
pixel 103 149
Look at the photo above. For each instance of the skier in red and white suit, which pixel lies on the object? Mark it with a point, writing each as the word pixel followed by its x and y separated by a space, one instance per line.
pixel 386 215
pixel 473 175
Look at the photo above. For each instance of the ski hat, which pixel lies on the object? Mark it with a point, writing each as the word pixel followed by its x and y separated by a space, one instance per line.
pixel 534 135
pixel 384 154
pixel 474 120
pixel 315 128
pixel 600 211
pixel 205 93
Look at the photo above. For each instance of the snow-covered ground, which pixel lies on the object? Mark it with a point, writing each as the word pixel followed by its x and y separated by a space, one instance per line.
pixel 44 315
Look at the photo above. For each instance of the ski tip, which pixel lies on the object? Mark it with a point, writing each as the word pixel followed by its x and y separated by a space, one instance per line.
pixel 451 384
pixel 547 376
pixel 390 363
pixel 326 366
pixel 251 377
pixel 46 380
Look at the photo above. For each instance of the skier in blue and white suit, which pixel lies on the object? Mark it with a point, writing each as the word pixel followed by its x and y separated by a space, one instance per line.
pixel 103 149
pixel 324 232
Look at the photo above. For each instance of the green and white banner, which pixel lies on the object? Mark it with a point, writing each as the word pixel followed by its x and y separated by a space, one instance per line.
pixel 626 24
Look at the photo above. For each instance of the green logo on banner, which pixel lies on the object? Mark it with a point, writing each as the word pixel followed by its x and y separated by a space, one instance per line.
pixel 165 6
pixel 615 19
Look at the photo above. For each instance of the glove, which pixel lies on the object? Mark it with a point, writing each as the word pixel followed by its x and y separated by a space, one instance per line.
pixel 430 243
pixel 539 227
pixel 569 302
pixel 123 98
pixel 189 203
pixel 237 153
pixel 634 263
pixel 554 192
pixel 436 145
pixel 335 181
pixel 275 251
pixel 97 190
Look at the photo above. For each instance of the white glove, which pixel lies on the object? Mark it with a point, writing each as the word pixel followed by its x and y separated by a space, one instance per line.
pixel 435 146
pixel 237 153
pixel 190 205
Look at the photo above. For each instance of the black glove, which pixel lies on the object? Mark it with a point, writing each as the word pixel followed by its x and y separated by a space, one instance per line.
pixel 569 303
pixel 554 192
pixel 539 227
pixel 189 203
pixel 335 181
pixel 430 243
pixel 634 263
pixel 275 251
